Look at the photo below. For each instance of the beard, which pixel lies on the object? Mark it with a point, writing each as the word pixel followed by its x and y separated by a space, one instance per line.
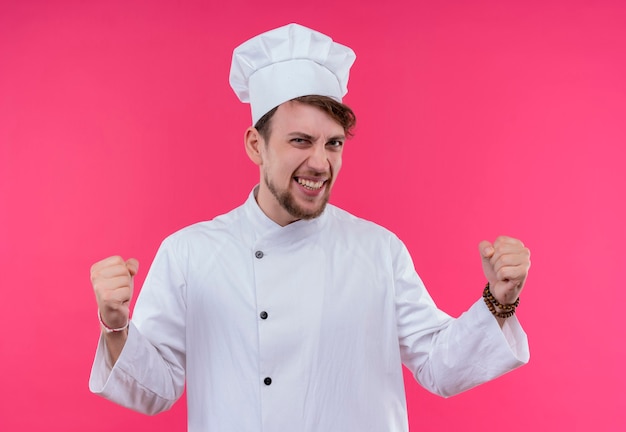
pixel 288 202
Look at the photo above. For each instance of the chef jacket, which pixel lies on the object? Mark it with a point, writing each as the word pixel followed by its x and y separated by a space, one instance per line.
pixel 297 328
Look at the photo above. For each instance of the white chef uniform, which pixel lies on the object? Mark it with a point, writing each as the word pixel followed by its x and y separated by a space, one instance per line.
pixel 296 328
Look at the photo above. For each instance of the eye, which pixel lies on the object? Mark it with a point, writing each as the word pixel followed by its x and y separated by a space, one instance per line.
pixel 299 141
pixel 335 144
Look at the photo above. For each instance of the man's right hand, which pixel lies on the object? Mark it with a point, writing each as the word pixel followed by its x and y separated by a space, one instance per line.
pixel 112 280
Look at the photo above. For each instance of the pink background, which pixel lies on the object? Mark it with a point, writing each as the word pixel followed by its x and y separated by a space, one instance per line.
pixel 118 127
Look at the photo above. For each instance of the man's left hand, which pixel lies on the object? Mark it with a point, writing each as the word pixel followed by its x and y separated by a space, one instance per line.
pixel 505 263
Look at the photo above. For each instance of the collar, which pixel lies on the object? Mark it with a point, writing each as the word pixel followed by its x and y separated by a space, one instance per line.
pixel 261 230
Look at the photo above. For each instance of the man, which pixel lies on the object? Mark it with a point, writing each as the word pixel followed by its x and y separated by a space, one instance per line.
pixel 288 314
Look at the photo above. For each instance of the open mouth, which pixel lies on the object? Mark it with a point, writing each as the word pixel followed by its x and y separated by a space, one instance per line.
pixel 311 185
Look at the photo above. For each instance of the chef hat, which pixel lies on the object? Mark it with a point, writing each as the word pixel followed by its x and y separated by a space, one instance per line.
pixel 286 63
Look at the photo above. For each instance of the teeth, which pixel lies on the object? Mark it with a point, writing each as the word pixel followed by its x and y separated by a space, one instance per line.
pixel 309 184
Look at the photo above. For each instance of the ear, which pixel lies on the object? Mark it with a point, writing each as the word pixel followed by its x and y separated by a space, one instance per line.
pixel 253 142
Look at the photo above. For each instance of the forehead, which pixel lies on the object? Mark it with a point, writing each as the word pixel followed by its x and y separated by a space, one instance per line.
pixel 297 116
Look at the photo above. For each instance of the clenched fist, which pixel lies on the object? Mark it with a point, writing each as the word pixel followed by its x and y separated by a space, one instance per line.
pixel 112 280
pixel 506 263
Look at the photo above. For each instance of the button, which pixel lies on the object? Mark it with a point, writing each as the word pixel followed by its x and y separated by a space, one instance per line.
pixel 263 315
pixel 258 254
pixel 267 381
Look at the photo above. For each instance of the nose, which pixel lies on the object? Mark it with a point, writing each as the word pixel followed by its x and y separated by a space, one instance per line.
pixel 318 158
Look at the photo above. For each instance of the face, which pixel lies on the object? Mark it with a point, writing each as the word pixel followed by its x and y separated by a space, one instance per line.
pixel 299 164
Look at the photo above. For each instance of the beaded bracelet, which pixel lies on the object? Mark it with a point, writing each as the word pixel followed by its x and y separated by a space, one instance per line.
pixel 108 329
pixel 492 304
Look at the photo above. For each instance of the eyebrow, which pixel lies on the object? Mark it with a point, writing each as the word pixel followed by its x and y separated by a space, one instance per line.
pixel 312 138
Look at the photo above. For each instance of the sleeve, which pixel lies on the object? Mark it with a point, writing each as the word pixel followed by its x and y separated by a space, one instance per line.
pixel 446 355
pixel 149 375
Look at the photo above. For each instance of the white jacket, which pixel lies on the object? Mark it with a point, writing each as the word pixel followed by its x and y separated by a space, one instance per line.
pixel 327 309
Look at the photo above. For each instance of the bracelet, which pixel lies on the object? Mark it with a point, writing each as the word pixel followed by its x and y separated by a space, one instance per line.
pixel 508 310
pixel 108 329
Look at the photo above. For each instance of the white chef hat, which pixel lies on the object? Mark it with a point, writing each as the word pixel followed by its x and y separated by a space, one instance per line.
pixel 286 63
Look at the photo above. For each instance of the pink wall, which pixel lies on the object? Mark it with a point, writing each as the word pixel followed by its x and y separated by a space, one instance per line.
pixel 117 127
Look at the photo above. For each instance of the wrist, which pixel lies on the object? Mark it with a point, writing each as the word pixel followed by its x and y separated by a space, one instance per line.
pixel 499 310
pixel 108 329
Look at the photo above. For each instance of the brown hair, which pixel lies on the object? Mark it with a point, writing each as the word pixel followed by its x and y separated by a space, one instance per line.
pixel 339 112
